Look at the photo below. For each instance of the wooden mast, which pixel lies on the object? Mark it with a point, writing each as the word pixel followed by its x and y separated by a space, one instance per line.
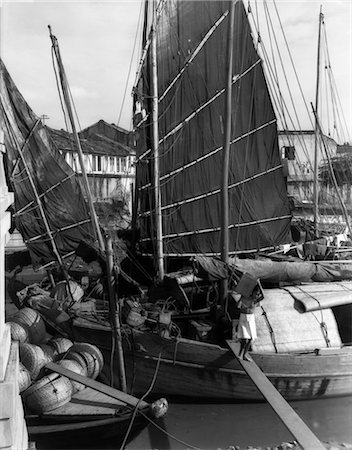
pixel 66 95
pixel 316 149
pixel 114 306
pixel 155 151
pixel 226 154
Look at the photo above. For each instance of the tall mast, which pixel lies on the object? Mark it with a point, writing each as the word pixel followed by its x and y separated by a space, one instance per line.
pixel 64 85
pixel 226 153
pixel 316 189
pixel 155 150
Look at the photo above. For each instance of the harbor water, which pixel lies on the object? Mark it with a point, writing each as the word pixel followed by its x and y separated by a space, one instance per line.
pixel 219 426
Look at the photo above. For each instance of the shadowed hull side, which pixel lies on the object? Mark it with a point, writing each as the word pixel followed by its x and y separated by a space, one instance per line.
pixel 192 369
pixel 84 434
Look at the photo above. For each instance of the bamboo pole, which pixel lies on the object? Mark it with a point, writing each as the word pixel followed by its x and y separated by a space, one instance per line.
pixel 226 156
pixel 114 313
pixel 315 186
pixel 64 86
pixel 155 147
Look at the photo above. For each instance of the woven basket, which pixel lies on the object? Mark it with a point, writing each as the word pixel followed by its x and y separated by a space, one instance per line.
pixel 89 348
pixel 76 367
pixel 19 331
pixel 24 378
pixel 88 360
pixel 34 322
pixel 49 351
pixel 33 358
pixel 49 393
pixel 60 345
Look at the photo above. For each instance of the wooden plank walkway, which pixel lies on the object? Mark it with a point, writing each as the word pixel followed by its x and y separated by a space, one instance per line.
pixel 104 388
pixel 304 436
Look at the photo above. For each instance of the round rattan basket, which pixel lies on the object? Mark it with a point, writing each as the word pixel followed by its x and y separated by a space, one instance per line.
pixel 87 360
pixel 19 331
pixel 48 351
pixel 77 368
pixel 34 359
pixel 61 345
pixel 89 348
pixel 50 392
pixel 24 378
pixel 34 322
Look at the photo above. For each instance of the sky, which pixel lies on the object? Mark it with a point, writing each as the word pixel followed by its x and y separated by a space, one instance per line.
pixel 97 42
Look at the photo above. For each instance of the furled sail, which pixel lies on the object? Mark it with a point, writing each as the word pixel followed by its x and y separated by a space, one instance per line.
pixel 49 210
pixel 191 62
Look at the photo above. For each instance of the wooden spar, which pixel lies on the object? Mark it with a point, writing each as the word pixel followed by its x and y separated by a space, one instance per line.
pixel 114 315
pixel 305 437
pixel 343 206
pixel 66 95
pixel 226 156
pixel 315 186
pixel 155 148
pixel 100 387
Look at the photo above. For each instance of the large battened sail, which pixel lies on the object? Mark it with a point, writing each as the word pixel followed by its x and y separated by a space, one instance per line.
pixel 49 210
pixel 191 64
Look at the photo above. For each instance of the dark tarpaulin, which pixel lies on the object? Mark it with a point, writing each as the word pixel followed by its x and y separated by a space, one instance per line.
pixel 193 226
pixel 55 182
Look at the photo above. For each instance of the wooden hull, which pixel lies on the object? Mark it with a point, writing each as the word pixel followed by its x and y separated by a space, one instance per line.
pixel 88 420
pixel 88 434
pixel 192 369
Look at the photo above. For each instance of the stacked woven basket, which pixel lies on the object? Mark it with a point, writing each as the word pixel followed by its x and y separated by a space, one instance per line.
pixel 41 392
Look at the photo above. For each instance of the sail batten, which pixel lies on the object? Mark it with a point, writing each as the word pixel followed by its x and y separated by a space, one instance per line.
pixel 191 118
pixel 217 229
pixel 193 114
pixel 49 209
pixel 217 191
pixel 211 153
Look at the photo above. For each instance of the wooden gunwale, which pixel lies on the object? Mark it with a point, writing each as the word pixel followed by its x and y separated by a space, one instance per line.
pixel 242 372
pixel 79 426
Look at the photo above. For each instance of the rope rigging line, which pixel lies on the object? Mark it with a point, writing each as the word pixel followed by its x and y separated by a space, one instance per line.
pixel 275 90
pixel 58 88
pixel 131 61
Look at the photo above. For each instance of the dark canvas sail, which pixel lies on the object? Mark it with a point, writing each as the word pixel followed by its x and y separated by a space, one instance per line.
pixel 191 52
pixel 36 168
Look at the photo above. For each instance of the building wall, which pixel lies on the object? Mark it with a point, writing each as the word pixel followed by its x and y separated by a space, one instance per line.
pixel 110 177
pixel 13 431
pixel 301 167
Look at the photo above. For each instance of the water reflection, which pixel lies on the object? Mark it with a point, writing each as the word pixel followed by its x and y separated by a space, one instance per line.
pixel 221 425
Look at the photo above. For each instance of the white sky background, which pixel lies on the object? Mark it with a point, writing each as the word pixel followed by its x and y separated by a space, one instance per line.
pixel 97 39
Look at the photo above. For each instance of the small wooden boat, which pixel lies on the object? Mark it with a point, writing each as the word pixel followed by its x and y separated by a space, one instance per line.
pixel 92 417
pixel 206 371
pixel 302 347
pixel 85 421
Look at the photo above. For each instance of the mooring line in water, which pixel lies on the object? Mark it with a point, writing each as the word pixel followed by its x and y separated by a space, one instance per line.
pixel 140 401
pixel 169 434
